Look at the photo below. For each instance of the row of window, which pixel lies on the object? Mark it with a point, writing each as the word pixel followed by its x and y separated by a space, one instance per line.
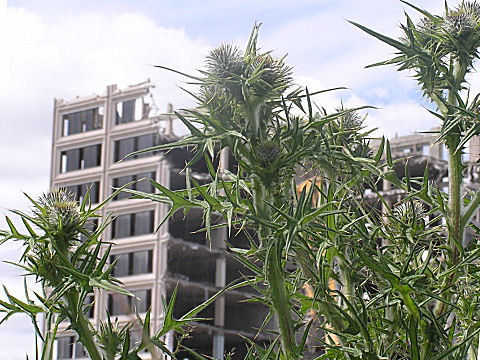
pixel 143 185
pixel 81 158
pixel 132 110
pixel 90 156
pixel 124 147
pixel 139 182
pixel 92 119
pixel 68 348
pixel 126 225
pixel 119 304
pixel 80 190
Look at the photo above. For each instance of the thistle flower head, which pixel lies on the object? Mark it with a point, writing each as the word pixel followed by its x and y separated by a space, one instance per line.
pixel 60 211
pixel 461 22
pixel 225 62
pixel 271 74
pixel 472 8
pixel 409 212
pixel 351 120
pixel 225 67
pixel 242 75
pixel 268 152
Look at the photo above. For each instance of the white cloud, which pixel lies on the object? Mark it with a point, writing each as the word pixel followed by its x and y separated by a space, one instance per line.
pixel 402 118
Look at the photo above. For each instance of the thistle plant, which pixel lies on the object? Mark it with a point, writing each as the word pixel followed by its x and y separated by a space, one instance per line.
pixel 338 274
pixel 69 261
pixel 249 107
pixel 441 51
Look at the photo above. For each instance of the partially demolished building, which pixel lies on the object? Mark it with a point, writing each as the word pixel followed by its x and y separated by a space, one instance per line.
pixel 91 137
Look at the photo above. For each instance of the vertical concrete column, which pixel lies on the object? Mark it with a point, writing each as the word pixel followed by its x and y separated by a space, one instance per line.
pixel 161 245
pixel 169 342
pixel 218 346
pixel 220 282
pixel 220 277
pixel 101 298
pixel 169 121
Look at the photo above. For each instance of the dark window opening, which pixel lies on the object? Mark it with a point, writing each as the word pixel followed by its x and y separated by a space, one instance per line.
pixel 68 348
pixel 80 190
pixel 132 263
pixel 79 159
pixel 131 110
pixel 90 226
pixel 123 305
pixel 201 341
pixel 188 297
pixel 245 316
pixel 190 228
pixel 187 264
pixel 82 121
pixel 127 146
pixel 143 185
pixel 89 306
pixel 136 224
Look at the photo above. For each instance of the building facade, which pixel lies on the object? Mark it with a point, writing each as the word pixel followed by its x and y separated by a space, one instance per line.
pixel 91 137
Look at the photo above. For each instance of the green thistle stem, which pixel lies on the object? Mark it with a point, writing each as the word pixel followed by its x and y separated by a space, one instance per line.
pixel 274 273
pixel 455 177
pixel 82 326
pixel 280 302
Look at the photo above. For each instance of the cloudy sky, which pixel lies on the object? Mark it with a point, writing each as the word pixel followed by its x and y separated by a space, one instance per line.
pixel 61 49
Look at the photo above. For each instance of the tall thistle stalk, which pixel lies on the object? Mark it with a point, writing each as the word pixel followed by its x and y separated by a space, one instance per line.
pixel 248 106
pixel 267 78
pixel 441 50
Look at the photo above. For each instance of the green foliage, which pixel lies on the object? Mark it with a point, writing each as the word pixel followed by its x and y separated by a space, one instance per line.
pixel 68 270
pixel 339 275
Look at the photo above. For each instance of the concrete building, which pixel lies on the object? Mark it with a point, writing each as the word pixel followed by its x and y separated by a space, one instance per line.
pixel 91 136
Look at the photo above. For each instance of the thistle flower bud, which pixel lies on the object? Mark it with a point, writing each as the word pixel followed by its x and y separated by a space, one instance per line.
pixel 362 150
pixel 459 24
pixel 409 212
pixel 226 67
pixel 268 152
pixel 226 62
pixel 351 120
pixel 463 21
pixel 61 211
pixel 272 74
pixel 472 8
